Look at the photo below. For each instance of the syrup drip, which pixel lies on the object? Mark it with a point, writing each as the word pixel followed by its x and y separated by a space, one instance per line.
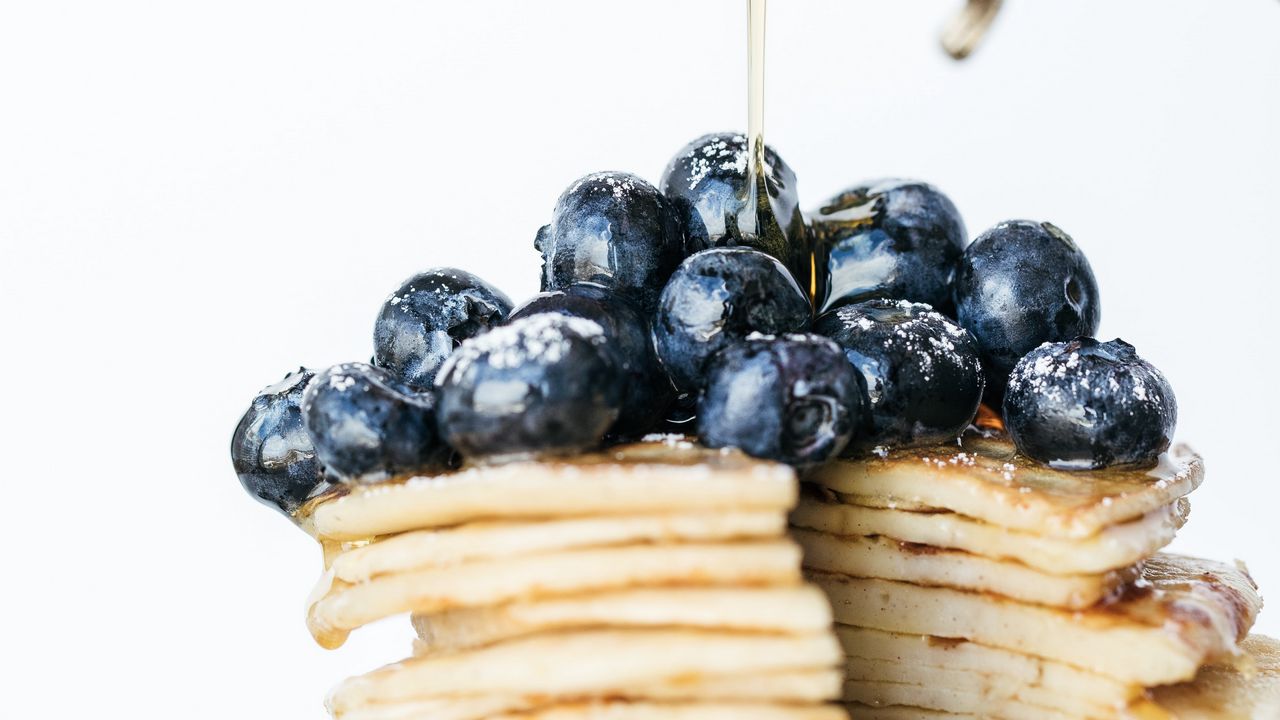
pixel 758 220
pixel 756 214
pixel 755 89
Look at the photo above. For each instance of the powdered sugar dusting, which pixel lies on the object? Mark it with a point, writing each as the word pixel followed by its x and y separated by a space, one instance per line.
pixel 1044 374
pixel 723 153
pixel 671 440
pixel 1070 372
pixel 544 337
pixel 922 333
pixel 618 184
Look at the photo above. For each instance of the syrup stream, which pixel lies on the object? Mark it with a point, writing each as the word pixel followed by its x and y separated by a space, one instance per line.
pixel 756 213
pixel 755 88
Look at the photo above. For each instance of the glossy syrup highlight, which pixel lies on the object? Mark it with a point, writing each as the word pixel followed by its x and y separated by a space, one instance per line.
pixel 759 222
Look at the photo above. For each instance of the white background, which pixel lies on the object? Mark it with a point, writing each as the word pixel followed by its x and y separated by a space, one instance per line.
pixel 197 197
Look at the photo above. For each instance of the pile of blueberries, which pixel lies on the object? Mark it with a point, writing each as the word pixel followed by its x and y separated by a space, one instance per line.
pixel 868 324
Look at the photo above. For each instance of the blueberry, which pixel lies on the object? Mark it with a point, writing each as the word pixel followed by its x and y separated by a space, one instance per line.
pixel 1020 284
pixel 682 416
pixel 367 427
pixel 612 229
pixel 647 392
pixel 428 316
pixel 540 385
pixel 1083 404
pixel 717 297
pixel 921 370
pixel 793 398
pixel 894 239
pixel 270 449
pixel 707 183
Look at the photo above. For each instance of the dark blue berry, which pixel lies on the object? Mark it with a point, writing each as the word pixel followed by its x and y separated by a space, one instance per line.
pixel 920 370
pixel 367 427
pixel 718 297
pixel 1020 284
pixel 615 230
pixel 1084 404
pixel 707 183
pixel 682 416
pixel 793 398
pixel 540 385
pixel 270 449
pixel 893 239
pixel 647 392
pixel 430 315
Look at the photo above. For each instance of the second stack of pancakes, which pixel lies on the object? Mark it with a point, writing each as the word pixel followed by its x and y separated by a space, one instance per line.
pixel 652 581
pixel 968 581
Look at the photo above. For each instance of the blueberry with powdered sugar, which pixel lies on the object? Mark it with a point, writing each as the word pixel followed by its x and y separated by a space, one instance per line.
pixel 707 183
pixel 270 449
pixel 1020 284
pixel 1086 404
pixel 891 239
pixel 428 316
pixel 368 427
pixel 647 391
pixel 718 297
pixel 922 374
pixel 792 398
pixel 615 230
pixel 539 385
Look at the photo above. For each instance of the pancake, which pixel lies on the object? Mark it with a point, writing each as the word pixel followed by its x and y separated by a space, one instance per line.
pixel 613 710
pixel 878 655
pixel 791 688
pixel 492 540
pixel 468 708
pixel 882 557
pixel 1182 614
pixel 794 610
pixel 986 479
pixel 1114 547
pixel 682 711
pixel 572 665
pixel 1221 692
pixel 338 607
pixel 1228 692
pixel 644 478
pixel 927 686
pixel 901 712
pixel 949 698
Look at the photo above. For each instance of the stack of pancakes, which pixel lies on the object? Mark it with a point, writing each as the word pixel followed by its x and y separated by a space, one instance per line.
pixel 967 581
pixel 651 581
